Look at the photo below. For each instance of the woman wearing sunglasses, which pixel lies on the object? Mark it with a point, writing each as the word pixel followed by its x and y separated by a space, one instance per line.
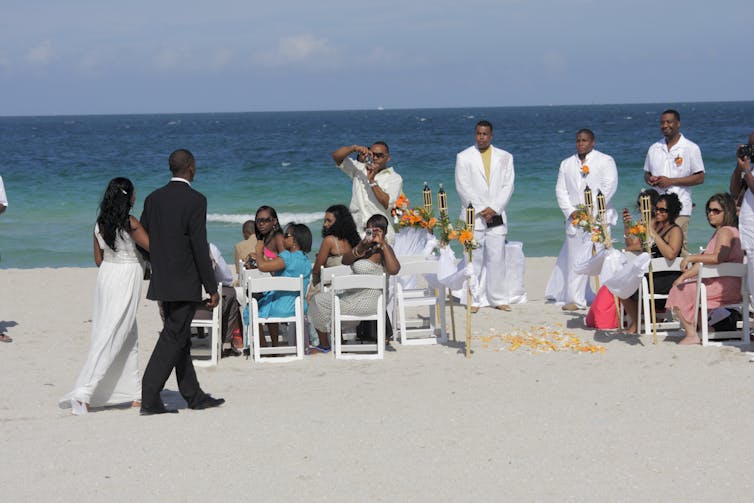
pixel 291 262
pixel 268 232
pixel 667 239
pixel 725 246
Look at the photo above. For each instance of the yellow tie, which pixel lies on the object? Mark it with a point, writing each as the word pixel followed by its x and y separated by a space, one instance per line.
pixel 486 158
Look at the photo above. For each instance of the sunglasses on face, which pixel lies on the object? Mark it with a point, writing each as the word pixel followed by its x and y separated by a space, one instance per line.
pixel 378 155
pixel 265 220
pixel 661 210
pixel 714 211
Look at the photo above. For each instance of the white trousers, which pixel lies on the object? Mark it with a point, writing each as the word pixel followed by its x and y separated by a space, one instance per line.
pixel 489 268
pixel 566 286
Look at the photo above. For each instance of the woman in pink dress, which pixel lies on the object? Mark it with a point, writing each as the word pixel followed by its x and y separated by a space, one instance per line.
pixel 725 246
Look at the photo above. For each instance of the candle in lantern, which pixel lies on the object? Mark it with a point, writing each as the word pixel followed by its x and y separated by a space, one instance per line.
pixel 601 206
pixel 427 192
pixel 442 201
pixel 470 215
pixel 646 209
pixel 588 201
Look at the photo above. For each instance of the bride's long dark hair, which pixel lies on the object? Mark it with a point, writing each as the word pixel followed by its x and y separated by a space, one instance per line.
pixel 114 210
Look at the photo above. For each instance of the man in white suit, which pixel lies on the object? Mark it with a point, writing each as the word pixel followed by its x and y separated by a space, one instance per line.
pixel 588 167
pixel 484 178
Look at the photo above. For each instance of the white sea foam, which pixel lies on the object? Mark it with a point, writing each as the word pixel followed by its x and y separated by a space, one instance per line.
pixel 283 217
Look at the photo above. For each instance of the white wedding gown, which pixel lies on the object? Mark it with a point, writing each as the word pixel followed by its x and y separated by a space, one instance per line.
pixel 111 372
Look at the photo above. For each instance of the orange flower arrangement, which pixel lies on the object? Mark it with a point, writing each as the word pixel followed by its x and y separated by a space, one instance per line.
pixel 465 237
pixel 401 202
pixel 587 223
pixel 678 160
pixel 637 230
pixel 403 216
pixel 584 170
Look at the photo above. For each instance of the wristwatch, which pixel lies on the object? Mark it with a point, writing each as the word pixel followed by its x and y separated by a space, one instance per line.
pixel 373 184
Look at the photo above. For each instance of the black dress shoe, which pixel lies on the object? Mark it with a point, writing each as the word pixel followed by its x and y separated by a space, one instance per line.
pixel 144 411
pixel 207 403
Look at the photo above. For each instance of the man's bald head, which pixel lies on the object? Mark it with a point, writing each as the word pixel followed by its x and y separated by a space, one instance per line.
pixel 182 164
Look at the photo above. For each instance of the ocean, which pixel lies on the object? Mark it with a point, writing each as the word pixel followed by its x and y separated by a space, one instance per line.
pixel 55 169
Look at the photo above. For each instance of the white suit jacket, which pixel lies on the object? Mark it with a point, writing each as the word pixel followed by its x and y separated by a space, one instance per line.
pixel 603 176
pixel 471 185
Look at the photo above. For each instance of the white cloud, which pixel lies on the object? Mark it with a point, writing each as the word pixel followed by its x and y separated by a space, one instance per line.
pixel 300 49
pixel 40 55
pixel 169 58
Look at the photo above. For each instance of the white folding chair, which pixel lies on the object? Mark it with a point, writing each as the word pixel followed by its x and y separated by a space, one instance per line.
pixel 727 269
pixel 326 274
pixel 365 351
pixel 211 320
pixel 660 264
pixel 294 349
pixel 419 297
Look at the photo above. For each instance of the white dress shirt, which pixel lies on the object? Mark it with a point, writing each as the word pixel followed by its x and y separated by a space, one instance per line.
pixel 364 203
pixel 222 271
pixel 683 159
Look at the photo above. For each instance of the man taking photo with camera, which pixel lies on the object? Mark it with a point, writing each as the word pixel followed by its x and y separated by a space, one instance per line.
pixel 742 189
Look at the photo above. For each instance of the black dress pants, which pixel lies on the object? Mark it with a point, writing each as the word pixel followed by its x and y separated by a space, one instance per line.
pixel 173 350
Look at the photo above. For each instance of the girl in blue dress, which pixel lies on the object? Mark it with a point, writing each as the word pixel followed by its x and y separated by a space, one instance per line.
pixel 291 262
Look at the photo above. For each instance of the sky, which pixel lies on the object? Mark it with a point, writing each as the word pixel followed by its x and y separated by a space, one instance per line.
pixel 166 56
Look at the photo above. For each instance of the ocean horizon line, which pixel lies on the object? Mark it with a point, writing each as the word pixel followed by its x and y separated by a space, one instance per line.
pixel 378 108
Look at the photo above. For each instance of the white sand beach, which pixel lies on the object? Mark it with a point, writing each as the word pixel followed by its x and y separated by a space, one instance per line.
pixel 637 422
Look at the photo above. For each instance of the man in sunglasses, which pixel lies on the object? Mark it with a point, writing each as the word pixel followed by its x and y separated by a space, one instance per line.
pixel 376 186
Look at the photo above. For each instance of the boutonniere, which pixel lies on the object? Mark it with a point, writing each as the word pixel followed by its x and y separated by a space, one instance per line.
pixel 584 170
pixel 678 160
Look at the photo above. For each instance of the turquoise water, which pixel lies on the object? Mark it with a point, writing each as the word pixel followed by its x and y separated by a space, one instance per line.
pixel 56 168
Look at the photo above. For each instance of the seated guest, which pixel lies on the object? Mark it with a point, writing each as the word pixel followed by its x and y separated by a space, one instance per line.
pixel 339 236
pixel 245 248
pixel 373 255
pixel 291 262
pixel 268 233
pixel 724 246
pixel 667 239
pixel 231 315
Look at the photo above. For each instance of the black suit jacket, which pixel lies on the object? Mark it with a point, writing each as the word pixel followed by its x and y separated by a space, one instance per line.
pixel 175 217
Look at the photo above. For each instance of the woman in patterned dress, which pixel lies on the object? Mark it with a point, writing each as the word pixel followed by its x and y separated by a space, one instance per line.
pixel 371 256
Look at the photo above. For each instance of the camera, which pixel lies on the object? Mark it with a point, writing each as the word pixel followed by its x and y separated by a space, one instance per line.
pixel 745 151
pixel 368 235
pixel 251 263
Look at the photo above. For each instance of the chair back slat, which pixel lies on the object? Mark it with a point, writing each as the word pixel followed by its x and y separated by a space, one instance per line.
pixel 280 283
pixel 353 281
pixel 415 268
pixel 326 274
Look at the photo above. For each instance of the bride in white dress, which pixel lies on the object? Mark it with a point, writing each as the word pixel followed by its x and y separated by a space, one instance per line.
pixel 111 373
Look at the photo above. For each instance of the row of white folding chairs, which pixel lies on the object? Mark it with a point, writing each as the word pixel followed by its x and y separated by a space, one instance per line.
pixel 338 280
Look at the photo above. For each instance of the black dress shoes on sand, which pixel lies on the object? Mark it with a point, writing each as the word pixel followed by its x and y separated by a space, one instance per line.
pixel 145 411
pixel 207 403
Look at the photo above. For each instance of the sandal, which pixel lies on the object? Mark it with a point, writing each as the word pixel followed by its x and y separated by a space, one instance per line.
pixel 5 338
pixel 319 349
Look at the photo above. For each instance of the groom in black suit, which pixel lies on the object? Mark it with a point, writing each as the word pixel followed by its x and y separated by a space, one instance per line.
pixel 175 217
